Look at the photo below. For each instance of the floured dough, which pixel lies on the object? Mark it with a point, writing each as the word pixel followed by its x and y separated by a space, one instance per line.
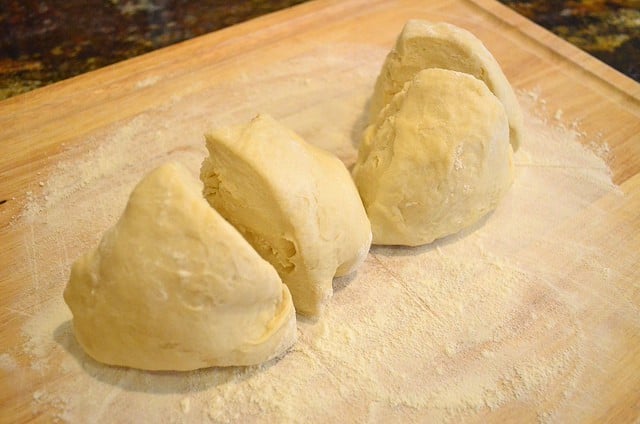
pixel 295 203
pixel 173 286
pixel 436 160
pixel 424 45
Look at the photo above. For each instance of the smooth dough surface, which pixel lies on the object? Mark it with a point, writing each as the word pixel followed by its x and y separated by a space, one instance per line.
pixel 423 45
pixel 295 203
pixel 436 160
pixel 173 286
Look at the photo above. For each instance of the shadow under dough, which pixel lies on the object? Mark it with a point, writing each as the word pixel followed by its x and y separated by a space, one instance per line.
pixel 160 382
pixel 390 250
pixel 340 283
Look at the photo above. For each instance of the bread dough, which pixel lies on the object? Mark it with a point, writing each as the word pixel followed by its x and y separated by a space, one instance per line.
pixel 424 45
pixel 295 203
pixel 436 160
pixel 173 286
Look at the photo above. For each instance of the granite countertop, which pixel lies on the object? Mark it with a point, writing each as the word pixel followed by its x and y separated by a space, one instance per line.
pixel 606 29
pixel 43 41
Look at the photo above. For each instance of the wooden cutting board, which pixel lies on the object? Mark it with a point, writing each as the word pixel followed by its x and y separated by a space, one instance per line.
pixel 42 129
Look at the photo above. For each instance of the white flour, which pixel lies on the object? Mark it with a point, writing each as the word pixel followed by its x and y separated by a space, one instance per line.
pixel 449 331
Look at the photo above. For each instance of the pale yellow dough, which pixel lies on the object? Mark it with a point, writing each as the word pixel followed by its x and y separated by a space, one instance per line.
pixel 295 203
pixel 436 159
pixel 423 45
pixel 173 286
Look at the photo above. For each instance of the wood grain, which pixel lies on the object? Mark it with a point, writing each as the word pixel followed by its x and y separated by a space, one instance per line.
pixel 36 128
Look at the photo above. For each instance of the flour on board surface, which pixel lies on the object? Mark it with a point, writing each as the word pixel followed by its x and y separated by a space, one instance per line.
pixel 455 329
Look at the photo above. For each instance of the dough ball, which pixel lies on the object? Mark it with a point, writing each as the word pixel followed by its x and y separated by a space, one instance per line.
pixel 423 45
pixel 436 160
pixel 295 203
pixel 173 286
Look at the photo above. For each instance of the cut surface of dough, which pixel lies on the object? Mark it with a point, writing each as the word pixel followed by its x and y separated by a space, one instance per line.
pixel 173 286
pixel 423 45
pixel 436 160
pixel 295 203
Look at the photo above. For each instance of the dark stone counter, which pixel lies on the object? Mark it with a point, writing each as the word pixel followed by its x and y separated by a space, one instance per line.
pixel 43 41
pixel 607 29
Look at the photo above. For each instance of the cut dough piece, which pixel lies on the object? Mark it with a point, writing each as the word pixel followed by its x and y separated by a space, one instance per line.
pixel 173 286
pixel 423 45
pixel 295 203
pixel 436 160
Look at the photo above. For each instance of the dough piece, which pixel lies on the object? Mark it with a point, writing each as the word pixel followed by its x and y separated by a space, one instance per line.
pixel 423 45
pixel 173 286
pixel 436 160
pixel 295 203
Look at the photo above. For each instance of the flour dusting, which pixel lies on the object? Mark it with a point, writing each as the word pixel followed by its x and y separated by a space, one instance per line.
pixel 446 332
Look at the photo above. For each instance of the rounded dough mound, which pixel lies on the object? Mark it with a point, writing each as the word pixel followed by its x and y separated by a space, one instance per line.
pixel 295 203
pixel 173 286
pixel 423 45
pixel 435 161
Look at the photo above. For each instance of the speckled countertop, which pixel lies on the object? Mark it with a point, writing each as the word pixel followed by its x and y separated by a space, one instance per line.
pixel 43 41
pixel 607 29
